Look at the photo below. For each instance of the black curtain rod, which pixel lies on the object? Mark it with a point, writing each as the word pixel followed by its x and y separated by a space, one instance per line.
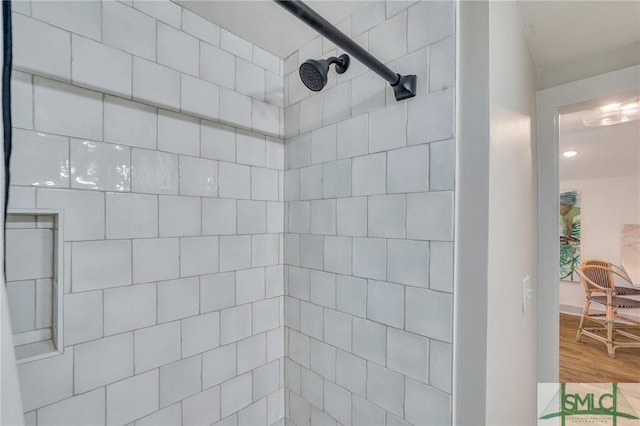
pixel 404 86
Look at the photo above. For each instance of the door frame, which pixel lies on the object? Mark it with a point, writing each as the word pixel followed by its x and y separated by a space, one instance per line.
pixel 550 103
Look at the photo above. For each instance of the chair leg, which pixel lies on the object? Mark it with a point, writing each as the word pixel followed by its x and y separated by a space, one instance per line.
pixel 585 310
pixel 610 348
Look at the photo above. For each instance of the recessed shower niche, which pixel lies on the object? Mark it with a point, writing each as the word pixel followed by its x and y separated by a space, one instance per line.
pixel 34 281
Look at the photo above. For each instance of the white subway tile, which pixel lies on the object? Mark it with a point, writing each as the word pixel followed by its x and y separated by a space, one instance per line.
pixel 236 45
pixel 337 179
pixel 252 352
pixel 155 259
pixel 323 144
pixel 46 381
pixel 250 148
pixel 264 250
pixel 41 48
pixel 235 252
pixel 408 354
pixel 218 365
pixel 217 291
pixel 367 93
pixel 337 329
pixel 85 409
pixel 321 418
pixel 235 394
pixel 156 84
pixel 408 262
pixel 78 17
pixel 299 410
pixel 255 414
pixel 387 216
pixel 131 215
pixel 323 360
pixel 416 63
pixel 130 123
pixel 217 66
pixel 250 79
pixel 408 169
pixel 22 198
pixel 367 17
pixel 388 128
pixel 218 216
pixel 387 47
pixel 441 266
pixel 154 172
pixel 101 264
pixel 103 361
pixel 323 289
pixel 156 346
pixel 311 182
pixel 252 217
pixel 132 398
pixel 266 60
pixel 274 276
pixel 264 184
pixel 83 212
pixel 275 347
pixel 430 216
pixel 300 217
pixel 63 109
pixel 323 217
pixel 352 216
pixel 235 181
pixel 337 403
pixel 171 415
pixel 165 11
pixel 250 285
pixel 177 49
pixel 266 380
pixel 199 97
pixel 310 113
pixel 442 165
pixel 429 313
pixel 291 313
pixel 351 373
pixel 442 64
pixel 127 29
pixel 385 388
pixel 291 120
pixel 265 118
pixel 179 216
pixel 39 159
pixel 428 23
pixel 235 108
pixel 22 296
pixel 101 166
pixel 44 303
pixel 274 89
pixel 198 256
pixel 351 296
pixel 311 387
pixel 292 185
pixel 235 324
pixel 82 317
pixel 100 67
pixel 311 320
pixel 336 103
pixel 364 412
pixel 337 254
pixel 178 299
pixel 431 117
pixel 180 380
pixel 395 421
pixel 311 251
pixel 422 401
pixel 369 340
pixel 369 258
pixel 178 133
pixel 440 368
pixel 198 177
pixel 202 408
pixel 21 100
pixel 353 137
pixel 266 315
pixel 218 141
pixel 275 153
pixel 385 303
pixel 129 308
pixel 300 151
pixel 369 173
pixel 200 27
pixel 299 348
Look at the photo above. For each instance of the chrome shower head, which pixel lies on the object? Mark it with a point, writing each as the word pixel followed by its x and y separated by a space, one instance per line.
pixel 313 73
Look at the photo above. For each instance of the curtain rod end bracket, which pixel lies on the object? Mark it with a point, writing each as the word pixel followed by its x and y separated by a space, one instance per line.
pixel 405 88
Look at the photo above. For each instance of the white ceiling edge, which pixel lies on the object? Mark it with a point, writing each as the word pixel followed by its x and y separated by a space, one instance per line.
pixel 266 24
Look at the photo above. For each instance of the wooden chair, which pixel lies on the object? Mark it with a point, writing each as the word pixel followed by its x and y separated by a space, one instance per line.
pixel 598 278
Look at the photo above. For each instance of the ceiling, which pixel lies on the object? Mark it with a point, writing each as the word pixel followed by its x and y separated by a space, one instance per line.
pixel 603 152
pixel 268 25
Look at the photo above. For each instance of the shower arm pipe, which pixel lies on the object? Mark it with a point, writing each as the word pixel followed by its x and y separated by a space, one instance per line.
pixel 404 86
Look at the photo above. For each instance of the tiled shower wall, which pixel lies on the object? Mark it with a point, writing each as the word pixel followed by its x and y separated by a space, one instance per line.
pixel 369 188
pixel 173 306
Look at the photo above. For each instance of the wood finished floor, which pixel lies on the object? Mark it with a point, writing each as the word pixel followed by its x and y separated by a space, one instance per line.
pixel 587 361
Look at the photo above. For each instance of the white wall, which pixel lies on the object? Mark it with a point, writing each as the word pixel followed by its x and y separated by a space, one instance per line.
pixel 607 204
pixel 369 187
pixel 129 117
pixel 511 336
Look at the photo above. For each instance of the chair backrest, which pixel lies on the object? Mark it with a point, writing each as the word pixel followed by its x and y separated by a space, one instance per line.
pixel 596 275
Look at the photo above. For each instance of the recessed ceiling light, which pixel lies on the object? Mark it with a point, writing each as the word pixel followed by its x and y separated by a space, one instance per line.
pixel 569 154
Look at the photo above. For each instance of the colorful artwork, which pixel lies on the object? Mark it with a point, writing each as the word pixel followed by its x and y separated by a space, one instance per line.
pixel 631 251
pixel 570 235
